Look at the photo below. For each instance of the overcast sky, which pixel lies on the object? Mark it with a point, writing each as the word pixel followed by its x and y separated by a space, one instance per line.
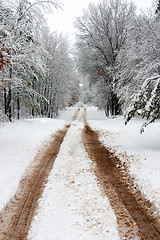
pixel 62 20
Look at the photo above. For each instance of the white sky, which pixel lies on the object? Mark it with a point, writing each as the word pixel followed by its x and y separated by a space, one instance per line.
pixel 62 20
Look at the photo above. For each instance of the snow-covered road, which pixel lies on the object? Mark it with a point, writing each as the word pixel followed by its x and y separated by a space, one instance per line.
pixel 73 206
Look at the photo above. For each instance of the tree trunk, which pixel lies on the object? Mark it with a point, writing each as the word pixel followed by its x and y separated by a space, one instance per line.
pixel 115 108
pixel 112 104
pixel 18 107
pixel 9 98
pixel 5 101
pixel 33 112
pixel 57 110
pixel 107 110
pixel 9 104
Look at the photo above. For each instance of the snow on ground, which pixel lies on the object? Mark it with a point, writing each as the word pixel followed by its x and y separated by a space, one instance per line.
pixel 72 206
pixel 141 151
pixel 65 211
pixel 19 143
pixel 67 113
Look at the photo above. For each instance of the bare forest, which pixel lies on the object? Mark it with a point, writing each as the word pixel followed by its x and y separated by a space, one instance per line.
pixel 37 74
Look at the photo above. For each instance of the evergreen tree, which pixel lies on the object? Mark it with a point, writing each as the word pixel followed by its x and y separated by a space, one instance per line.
pixel 147 101
pixel 158 7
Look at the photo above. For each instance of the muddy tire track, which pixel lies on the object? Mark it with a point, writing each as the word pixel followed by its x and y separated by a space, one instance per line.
pixel 75 116
pixel 133 220
pixel 16 217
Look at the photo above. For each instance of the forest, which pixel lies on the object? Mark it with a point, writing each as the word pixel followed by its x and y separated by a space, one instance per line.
pixel 37 74
pixel 72 164
pixel 116 53
pixel 119 51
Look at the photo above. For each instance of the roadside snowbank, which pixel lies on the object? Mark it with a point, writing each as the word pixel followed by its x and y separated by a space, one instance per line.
pixel 19 143
pixel 72 206
pixel 140 151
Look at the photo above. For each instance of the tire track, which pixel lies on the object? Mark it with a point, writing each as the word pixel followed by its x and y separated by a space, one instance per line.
pixel 133 221
pixel 75 116
pixel 16 217
pixel 72 205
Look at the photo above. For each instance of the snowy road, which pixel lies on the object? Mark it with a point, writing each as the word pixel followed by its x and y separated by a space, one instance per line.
pixel 73 206
pixel 84 197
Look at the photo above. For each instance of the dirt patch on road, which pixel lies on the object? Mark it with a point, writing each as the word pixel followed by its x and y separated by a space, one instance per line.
pixel 130 209
pixel 16 217
pixel 75 114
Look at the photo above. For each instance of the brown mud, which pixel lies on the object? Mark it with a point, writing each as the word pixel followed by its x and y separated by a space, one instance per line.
pixel 131 209
pixel 16 217
pixel 134 214
pixel 75 116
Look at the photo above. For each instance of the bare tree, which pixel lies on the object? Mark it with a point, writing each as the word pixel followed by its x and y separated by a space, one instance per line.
pixel 37 69
pixel 102 32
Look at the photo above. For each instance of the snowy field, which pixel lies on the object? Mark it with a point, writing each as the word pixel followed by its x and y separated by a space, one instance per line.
pixel 20 141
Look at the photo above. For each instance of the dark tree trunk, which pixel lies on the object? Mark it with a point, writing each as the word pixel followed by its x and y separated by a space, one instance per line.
pixel 5 101
pixel 9 104
pixel 112 104
pixel 18 107
pixel 33 112
pixel 112 107
pixel 57 110
pixel 107 110
pixel 115 105
pixel 9 98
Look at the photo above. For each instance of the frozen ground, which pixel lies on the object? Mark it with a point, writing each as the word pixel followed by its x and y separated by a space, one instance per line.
pixel 20 141
pixel 141 151
pixel 72 206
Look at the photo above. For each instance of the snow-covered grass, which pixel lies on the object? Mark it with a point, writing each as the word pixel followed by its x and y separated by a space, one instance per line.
pixel 67 113
pixel 72 206
pixel 19 143
pixel 140 151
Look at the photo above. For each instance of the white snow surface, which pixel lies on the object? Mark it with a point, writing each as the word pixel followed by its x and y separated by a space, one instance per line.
pixel 72 206
pixel 19 143
pixel 140 151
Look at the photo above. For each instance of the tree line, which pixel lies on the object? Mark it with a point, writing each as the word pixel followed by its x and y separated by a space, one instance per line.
pixel 37 73
pixel 118 51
